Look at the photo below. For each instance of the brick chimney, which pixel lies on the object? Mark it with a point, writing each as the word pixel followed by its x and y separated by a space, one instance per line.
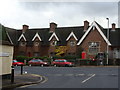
pixel 113 26
pixel 53 26
pixel 86 25
pixel 25 27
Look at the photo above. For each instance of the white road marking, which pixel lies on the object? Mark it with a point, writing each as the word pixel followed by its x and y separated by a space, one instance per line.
pixel 69 74
pixel 58 75
pixel 88 78
pixel 46 79
pixel 82 74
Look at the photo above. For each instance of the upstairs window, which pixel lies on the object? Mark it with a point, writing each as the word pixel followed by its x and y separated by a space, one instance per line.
pixel 36 54
pixel 93 47
pixel 54 43
pixel 36 43
pixel 72 43
pixel 23 43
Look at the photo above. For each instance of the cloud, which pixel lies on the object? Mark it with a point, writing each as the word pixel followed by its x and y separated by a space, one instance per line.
pixel 40 14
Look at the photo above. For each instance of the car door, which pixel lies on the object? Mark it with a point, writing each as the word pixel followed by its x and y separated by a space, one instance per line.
pixel 62 63
pixel 33 62
pixel 39 62
pixel 56 62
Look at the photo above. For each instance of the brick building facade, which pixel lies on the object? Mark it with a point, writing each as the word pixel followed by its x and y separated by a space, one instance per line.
pixel 44 41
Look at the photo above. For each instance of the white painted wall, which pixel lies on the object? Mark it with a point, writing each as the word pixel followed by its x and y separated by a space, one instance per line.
pixel 116 53
pixel 6 56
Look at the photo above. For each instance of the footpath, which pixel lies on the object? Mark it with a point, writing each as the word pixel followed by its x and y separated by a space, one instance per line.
pixel 21 80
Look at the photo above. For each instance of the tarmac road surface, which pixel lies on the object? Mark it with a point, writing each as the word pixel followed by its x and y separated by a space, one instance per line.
pixel 74 77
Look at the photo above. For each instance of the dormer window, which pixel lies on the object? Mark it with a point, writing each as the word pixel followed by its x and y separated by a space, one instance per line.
pixel 36 43
pixel 72 43
pixel 54 43
pixel 23 43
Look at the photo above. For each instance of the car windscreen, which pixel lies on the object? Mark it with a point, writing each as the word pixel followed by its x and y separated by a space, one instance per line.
pixel 36 60
pixel 60 60
pixel 15 61
pixel 63 60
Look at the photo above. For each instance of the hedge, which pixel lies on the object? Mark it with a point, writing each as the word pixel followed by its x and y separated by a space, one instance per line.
pixel 22 58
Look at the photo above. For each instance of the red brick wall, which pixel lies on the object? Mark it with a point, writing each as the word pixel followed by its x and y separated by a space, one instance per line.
pixel 51 48
pixel 94 36
pixel 71 49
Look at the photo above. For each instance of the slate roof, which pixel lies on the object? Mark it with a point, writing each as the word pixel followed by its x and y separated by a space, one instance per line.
pixel 43 33
pixel 4 39
pixel 114 36
pixel 62 33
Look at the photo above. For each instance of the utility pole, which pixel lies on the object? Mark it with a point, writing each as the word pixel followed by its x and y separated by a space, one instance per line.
pixel 107 42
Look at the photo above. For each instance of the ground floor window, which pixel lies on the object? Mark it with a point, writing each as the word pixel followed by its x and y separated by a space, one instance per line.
pixel 116 53
pixel 52 53
pixel 93 47
pixel 36 54
pixel 71 54
pixel 22 53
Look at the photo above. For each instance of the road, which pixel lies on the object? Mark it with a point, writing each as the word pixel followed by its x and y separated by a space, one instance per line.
pixel 74 77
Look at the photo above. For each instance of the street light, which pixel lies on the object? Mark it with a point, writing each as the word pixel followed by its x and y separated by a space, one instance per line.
pixel 107 41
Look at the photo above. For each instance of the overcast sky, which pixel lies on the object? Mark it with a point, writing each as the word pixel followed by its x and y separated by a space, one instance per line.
pixel 39 14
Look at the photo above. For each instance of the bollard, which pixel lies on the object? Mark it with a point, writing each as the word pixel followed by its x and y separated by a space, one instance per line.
pixel 21 69
pixel 12 74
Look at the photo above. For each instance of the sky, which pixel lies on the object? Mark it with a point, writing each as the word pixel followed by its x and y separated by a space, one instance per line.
pixel 38 14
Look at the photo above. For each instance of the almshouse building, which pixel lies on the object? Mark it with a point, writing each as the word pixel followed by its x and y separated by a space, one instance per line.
pixel 63 41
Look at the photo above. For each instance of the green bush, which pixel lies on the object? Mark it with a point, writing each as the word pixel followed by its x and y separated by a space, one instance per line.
pixel 22 58
pixel 80 62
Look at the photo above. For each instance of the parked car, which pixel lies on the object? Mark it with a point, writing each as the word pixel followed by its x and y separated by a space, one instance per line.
pixel 37 62
pixel 62 62
pixel 16 63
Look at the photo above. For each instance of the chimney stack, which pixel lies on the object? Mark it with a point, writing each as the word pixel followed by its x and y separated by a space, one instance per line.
pixel 25 27
pixel 53 26
pixel 86 25
pixel 113 26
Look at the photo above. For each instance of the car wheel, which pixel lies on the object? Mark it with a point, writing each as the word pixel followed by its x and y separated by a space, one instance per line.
pixel 30 65
pixel 16 65
pixel 55 65
pixel 66 65
pixel 42 65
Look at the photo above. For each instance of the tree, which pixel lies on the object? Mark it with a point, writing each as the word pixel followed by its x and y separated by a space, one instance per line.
pixel 61 50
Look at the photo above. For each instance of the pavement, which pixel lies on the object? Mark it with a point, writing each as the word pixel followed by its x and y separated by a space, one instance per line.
pixel 22 80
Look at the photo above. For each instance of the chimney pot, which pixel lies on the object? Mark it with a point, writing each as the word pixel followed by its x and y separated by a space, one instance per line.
pixel 53 26
pixel 86 25
pixel 113 26
pixel 25 27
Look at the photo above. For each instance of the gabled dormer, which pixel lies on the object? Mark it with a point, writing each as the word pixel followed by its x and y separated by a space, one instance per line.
pixel 22 40
pixel 22 37
pixel 71 39
pixel 54 36
pixel 36 40
pixel 53 39
pixel 37 36
pixel 71 35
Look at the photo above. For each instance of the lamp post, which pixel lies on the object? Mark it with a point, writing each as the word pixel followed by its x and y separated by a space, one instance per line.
pixel 107 41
